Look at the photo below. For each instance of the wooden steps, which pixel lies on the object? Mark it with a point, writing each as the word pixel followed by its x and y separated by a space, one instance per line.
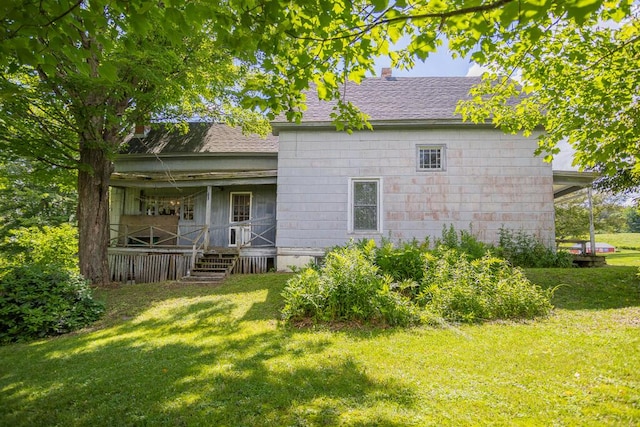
pixel 212 267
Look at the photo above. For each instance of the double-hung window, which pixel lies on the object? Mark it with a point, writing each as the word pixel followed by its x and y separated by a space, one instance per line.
pixel 365 205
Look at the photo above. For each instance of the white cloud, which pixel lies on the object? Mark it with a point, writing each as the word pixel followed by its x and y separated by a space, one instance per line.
pixel 476 70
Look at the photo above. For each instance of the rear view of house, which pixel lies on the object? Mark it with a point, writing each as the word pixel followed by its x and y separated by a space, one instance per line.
pixel 282 201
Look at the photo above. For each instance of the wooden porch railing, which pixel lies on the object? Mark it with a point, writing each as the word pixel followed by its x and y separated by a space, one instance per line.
pixel 152 236
pixel 257 238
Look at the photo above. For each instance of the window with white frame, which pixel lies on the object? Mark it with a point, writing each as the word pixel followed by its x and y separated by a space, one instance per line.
pixel 431 157
pixel 365 205
pixel 240 207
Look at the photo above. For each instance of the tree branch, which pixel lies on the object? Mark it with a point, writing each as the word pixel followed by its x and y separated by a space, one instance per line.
pixel 378 22
pixel 15 32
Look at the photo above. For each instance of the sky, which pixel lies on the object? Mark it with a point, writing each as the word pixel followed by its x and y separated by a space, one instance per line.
pixel 438 64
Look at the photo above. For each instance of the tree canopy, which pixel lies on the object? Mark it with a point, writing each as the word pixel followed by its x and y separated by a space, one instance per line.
pixel 32 196
pixel 610 215
pixel 579 81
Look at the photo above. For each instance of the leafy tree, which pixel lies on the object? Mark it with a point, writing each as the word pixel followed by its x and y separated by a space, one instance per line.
pixel 75 75
pixel 52 248
pixel 572 215
pixel 577 78
pixel 34 196
pixel 633 219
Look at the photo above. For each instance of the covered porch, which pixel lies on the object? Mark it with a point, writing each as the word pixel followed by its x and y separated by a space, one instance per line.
pixel 566 183
pixel 177 199
pixel 163 234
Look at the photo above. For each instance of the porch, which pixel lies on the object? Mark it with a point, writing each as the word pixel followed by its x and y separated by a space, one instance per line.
pixel 142 250
pixel 178 197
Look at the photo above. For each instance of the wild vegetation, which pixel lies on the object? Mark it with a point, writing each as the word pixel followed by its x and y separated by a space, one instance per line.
pixel 41 291
pixel 458 281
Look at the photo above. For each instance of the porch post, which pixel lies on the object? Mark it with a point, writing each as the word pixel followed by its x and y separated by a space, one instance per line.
pixel 207 219
pixel 592 232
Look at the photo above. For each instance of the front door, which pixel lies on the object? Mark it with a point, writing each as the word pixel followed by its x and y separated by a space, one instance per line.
pixel 239 218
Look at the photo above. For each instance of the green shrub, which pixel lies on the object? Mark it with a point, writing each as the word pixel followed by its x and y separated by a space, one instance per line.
pixel 348 287
pixel 526 251
pixel 462 241
pixel 42 246
pixel 403 262
pixel 303 295
pixel 37 302
pixel 410 284
pixel 459 290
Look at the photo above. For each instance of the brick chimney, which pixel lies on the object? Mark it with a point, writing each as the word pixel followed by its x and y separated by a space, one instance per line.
pixel 140 131
pixel 386 73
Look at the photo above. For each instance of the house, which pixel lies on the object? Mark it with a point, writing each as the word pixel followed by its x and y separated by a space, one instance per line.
pixel 281 201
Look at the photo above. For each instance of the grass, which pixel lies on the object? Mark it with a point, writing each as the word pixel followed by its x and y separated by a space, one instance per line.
pixel 188 355
pixel 621 240
pixel 627 248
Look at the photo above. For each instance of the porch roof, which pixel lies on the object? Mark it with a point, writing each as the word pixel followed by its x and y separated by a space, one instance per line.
pixel 201 138
pixel 193 179
pixel 567 182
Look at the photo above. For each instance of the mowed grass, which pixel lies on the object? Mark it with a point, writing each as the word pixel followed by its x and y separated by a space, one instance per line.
pixel 188 355
pixel 620 240
pixel 627 248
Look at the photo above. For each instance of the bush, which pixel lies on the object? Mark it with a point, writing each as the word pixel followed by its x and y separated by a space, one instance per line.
pixel 42 246
pixel 404 262
pixel 450 287
pixel 526 251
pixel 37 302
pixel 464 241
pixel 348 287
pixel 459 290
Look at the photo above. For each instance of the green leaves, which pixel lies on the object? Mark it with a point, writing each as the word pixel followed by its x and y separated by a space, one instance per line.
pixel 580 10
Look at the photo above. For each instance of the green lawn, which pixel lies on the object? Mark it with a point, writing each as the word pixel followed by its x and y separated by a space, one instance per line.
pixel 627 248
pixel 621 240
pixel 190 355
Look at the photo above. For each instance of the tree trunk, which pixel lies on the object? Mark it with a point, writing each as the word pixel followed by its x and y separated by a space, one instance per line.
pixel 93 213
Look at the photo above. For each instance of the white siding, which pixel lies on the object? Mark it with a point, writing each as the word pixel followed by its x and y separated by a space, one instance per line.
pixel 491 180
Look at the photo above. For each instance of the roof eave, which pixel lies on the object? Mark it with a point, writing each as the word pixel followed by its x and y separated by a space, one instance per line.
pixel 567 182
pixel 199 155
pixel 387 124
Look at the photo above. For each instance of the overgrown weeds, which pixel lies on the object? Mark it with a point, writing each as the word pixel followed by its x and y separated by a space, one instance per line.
pixel 524 250
pixel 458 281
pixel 348 287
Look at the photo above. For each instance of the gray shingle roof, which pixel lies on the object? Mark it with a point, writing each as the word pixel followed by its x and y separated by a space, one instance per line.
pixel 398 98
pixel 201 138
